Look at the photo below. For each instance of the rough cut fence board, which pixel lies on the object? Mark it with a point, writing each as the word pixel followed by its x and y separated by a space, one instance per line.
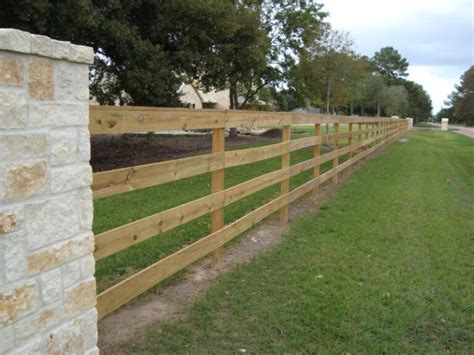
pixel 117 239
pixel 335 162
pixel 120 238
pixel 285 164
pixel 124 291
pixel 113 182
pixel 316 154
pixel 108 183
pixel 217 185
pixel 130 119
pixel 349 141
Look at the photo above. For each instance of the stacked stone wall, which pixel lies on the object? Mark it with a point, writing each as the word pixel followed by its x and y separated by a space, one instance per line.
pixel 47 285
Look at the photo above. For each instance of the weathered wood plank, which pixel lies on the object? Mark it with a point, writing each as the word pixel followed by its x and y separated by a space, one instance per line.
pixel 217 185
pixel 129 119
pixel 285 164
pixel 316 154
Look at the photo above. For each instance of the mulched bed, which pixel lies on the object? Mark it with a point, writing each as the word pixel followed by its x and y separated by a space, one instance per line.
pixel 119 151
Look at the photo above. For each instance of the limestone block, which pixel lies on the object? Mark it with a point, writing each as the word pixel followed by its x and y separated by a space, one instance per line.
pixel 93 351
pixel 72 81
pixel 60 253
pixel 53 114
pixel 51 285
pixel 66 339
pixel 40 321
pixel 84 145
pixel 90 328
pixel 23 146
pixel 87 266
pixel 31 346
pixel 13 110
pixel 71 273
pixel 10 219
pixel 61 49
pixel 52 220
pixel 17 302
pixel 41 45
pixel 63 146
pixel 11 71
pixel 15 256
pixel 80 297
pixel 15 40
pixel 87 208
pixel 24 180
pixel 6 338
pixel 41 80
pixel 70 177
pixel 81 54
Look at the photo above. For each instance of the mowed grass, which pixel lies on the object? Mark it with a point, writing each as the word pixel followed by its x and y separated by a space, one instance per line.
pixel 385 267
pixel 125 208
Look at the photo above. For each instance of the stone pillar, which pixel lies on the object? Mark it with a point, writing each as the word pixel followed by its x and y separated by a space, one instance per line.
pixel 444 124
pixel 47 285
pixel 410 122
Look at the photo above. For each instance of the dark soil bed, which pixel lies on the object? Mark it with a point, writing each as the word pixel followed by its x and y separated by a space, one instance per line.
pixel 119 151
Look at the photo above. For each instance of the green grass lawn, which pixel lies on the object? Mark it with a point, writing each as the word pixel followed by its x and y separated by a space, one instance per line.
pixel 121 209
pixel 385 267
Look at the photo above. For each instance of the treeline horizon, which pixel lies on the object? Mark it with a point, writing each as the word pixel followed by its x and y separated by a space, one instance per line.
pixel 269 54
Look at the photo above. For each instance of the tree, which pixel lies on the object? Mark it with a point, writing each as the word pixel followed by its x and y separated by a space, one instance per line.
pixel 419 102
pixel 374 90
pixel 395 100
pixel 261 51
pixel 461 101
pixel 327 71
pixel 390 64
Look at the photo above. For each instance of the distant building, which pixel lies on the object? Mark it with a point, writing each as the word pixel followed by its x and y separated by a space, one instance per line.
pixel 193 97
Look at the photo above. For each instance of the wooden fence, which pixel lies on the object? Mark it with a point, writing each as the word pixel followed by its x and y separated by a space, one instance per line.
pixel 365 135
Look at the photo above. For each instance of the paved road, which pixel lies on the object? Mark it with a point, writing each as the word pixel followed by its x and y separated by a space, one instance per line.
pixel 466 131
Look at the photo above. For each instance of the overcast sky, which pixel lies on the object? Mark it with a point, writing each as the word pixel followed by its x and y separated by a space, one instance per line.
pixel 435 36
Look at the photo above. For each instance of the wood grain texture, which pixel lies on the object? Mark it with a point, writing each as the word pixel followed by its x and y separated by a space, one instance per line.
pixel 285 164
pixel 217 185
pixel 133 119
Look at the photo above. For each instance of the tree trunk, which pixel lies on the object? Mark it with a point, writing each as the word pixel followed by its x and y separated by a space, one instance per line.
pixel 352 107
pixel 328 92
pixel 233 106
pixel 378 109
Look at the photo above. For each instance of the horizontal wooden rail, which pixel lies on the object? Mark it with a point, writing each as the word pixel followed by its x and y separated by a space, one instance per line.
pixel 136 284
pixel 129 119
pixel 117 239
pixel 113 182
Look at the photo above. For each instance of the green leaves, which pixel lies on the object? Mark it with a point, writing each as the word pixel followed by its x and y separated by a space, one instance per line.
pixel 390 64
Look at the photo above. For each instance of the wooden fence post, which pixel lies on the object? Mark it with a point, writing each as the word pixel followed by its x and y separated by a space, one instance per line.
pixel 349 142
pixel 285 163
pixel 367 126
pixel 335 162
pixel 217 184
pixel 316 153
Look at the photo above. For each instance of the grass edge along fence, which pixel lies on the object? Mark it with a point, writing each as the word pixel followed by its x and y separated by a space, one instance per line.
pixel 371 134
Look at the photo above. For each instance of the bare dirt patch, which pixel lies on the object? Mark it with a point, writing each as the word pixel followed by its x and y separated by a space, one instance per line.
pixel 169 303
pixel 119 151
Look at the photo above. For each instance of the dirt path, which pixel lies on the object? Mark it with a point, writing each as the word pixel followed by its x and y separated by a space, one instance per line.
pixel 169 303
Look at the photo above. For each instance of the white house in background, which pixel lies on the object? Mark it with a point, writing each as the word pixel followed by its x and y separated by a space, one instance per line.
pixel 193 97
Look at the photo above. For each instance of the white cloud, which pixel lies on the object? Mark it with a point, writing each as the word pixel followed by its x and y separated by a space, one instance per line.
pixel 435 36
pixel 439 81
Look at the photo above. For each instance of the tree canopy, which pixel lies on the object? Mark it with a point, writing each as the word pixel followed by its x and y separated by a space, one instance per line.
pixel 460 103
pixel 390 64
pixel 282 51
